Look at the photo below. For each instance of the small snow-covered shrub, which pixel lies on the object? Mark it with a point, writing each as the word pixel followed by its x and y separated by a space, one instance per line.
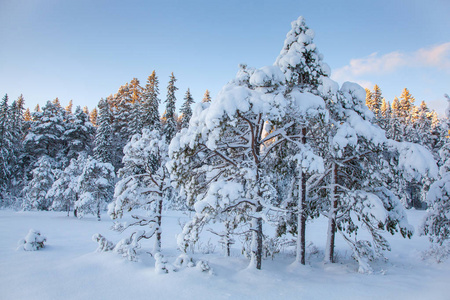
pixel 33 241
pixel 436 252
pixel 103 244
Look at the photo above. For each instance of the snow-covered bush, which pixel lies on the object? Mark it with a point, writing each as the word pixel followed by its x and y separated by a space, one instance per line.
pixel 33 241
pixel 104 245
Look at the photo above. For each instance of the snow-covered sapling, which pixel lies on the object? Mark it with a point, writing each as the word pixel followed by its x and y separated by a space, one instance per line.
pixel 33 241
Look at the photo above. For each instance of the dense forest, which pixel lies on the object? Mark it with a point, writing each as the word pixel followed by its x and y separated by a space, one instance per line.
pixel 279 146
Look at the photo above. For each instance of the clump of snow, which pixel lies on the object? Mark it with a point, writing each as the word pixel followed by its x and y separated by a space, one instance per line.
pixel 267 76
pixel 33 241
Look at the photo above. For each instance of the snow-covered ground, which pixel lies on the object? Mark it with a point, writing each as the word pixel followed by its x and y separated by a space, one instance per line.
pixel 70 268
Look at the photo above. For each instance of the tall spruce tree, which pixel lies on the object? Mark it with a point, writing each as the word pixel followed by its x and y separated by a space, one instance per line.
pixel 150 104
pixel 103 150
pixel 186 110
pixel 170 125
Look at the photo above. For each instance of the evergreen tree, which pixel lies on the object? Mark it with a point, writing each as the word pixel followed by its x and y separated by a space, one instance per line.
pixel 150 105
pixel 93 116
pixel 46 135
pixel 79 135
pixel 103 150
pixel 145 184
pixel 35 193
pixel 135 122
pixel 406 104
pixel 374 100
pixel 96 187
pixel 307 71
pixel 68 108
pixel 64 190
pixel 6 145
pixel 170 126
pixel 186 110
pixel 206 97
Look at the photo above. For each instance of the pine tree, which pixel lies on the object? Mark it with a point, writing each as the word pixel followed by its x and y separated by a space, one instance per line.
pixel 35 193
pixel 170 126
pixel 220 160
pixel 135 122
pixel 406 104
pixel 145 184
pixel 68 108
pixel 307 71
pixel 135 91
pixel 103 150
pixel 46 134
pixel 186 110
pixel 374 100
pixel 93 116
pixel 150 105
pixel 79 135
pixel 206 97
pixel 64 190
pixel 6 144
pixel 96 187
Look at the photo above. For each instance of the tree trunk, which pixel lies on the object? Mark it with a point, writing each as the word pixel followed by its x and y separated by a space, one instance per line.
pixel 329 251
pixel 157 247
pixel 301 218
pixel 257 241
pixel 98 211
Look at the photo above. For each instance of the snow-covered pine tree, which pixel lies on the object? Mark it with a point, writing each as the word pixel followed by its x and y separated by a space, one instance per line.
pixel 374 100
pixel 6 146
pixel 35 193
pixel 17 131
pixel 95 186
pixel 355 163
pixel 135 123
pixel 170 125
pixel 150 105
pixel 93 116
pixel 144 186
pixel 46 134
pixel 306 66
pixel 64 190
pixel 186 110
pixel 79 135
pixel 218 161
pixel 436 224
pixel 103 150
pixel 302 63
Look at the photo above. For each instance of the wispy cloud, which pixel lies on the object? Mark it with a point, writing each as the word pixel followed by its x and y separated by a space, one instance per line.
pixel 435 57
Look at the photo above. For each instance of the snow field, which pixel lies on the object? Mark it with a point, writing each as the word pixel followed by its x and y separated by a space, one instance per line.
pixel 69 268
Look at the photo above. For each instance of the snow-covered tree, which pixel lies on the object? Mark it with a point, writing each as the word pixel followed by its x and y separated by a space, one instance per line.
pixel 436 224
pixel 358 196
pixel 218 161
pixel 301 62
pixel 36 190
pixel 144 186
pixel 186 110
pixel 95 186
pixel 46 135
pixel 78 135
pixel 150 104
pixel 6 145
pixel 103 150
pixel 64 190
pixel 170 125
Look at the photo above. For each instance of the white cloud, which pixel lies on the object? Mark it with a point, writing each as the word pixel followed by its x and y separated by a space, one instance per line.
pixel 436 57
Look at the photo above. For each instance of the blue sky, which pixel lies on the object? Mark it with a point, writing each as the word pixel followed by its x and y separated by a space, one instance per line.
pixel 85 50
